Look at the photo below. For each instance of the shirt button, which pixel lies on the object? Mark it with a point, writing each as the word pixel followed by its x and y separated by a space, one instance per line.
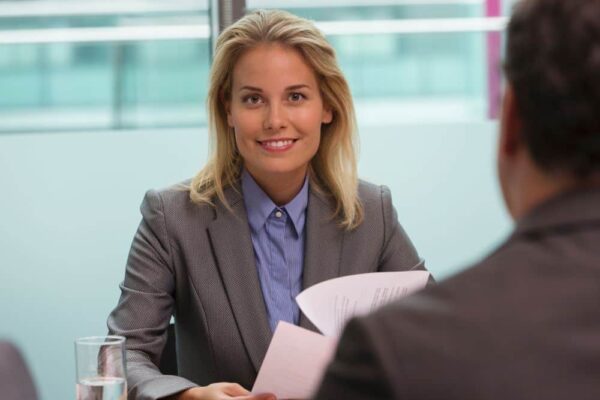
pixel 278 214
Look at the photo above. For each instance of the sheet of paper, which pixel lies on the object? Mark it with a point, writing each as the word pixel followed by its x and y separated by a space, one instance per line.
pixel 330 304
pixel 294 363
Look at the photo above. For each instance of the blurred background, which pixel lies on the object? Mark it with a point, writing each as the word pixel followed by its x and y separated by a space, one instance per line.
pixel 102 100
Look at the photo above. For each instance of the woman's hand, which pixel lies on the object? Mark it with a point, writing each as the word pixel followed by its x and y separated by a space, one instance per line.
pixel 221 391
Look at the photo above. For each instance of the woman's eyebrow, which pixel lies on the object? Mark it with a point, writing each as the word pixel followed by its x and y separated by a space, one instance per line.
pixel 299 86
pixel 292 87
pixel 251 88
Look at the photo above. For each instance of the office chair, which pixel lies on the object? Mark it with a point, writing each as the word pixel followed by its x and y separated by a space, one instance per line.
pixel 15 380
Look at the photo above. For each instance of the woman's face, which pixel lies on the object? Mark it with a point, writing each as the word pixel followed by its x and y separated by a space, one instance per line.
pixel 276 112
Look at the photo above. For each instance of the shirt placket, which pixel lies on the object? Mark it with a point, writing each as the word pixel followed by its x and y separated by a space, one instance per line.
pixel 278 268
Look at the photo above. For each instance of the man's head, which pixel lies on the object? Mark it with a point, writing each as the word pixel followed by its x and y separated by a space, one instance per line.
pixel 551 117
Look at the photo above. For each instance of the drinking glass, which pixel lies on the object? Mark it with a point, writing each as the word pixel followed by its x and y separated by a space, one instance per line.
pixel 101 368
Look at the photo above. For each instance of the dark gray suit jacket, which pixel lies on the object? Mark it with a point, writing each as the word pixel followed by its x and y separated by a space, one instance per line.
pixel 197 263
pixel 522 324
pixel 15 380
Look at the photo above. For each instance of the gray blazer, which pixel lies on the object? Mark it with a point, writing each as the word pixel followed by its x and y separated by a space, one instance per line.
pixel 197 264
pixel 15 380
pixel 522 324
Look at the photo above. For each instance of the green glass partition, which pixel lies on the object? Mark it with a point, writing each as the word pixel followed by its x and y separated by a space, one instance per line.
pixel 102 66
pixel 69 65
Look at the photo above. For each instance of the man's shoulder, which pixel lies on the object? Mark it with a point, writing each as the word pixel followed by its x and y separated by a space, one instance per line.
pixel 473 326
pixel 518 282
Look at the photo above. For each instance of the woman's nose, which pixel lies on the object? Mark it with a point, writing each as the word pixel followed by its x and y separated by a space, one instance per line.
pixel 275 118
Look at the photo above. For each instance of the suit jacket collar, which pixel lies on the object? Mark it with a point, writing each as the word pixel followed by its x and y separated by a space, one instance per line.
pixel 569 209
pixel 232 245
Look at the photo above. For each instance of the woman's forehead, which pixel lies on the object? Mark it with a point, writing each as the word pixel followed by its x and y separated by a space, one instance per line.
pixel 272 65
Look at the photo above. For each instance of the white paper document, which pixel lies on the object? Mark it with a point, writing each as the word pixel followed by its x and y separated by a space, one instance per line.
pixel 330 304
pixel 297 358
pixel 294 363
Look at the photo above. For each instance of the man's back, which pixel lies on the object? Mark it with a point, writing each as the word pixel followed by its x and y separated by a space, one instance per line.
pixel 522 324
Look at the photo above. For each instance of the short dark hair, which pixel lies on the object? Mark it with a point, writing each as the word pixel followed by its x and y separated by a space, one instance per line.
pixel 553 65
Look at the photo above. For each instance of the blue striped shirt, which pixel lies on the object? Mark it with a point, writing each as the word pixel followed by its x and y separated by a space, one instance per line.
pixel 278 241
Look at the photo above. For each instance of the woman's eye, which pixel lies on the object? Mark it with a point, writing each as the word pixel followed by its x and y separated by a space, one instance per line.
pixel 296 97
pixel 253 99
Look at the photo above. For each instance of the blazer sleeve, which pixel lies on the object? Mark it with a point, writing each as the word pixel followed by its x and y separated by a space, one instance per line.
pixel 146 304
pixel 398 252
pixel 356 372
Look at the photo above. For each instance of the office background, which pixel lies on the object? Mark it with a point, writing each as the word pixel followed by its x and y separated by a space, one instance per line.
pixel 102 100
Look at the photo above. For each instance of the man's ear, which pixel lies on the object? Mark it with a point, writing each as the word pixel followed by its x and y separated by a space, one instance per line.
pixel 510 124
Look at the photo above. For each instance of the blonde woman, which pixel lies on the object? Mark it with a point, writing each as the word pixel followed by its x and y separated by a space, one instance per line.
pixel 277 209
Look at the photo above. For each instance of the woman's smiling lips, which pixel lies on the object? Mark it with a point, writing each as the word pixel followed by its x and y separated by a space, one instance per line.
pixel 277 145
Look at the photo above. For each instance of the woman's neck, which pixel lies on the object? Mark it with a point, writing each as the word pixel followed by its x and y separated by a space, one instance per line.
pixel 281 188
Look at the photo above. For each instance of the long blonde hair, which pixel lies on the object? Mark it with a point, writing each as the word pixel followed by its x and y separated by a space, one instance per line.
pixel 333 169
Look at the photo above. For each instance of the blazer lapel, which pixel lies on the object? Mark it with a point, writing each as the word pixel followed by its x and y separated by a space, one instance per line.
pixel 232 245
pixel 323 249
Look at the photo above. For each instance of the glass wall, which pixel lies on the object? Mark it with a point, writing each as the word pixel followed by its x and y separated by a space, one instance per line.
pixel 413 60
pixel 71 65
pixel 68 65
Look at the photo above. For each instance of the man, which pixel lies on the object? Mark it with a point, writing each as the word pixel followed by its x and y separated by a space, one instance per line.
pixel 524 323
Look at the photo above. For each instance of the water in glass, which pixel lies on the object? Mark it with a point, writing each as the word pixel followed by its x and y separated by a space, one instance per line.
pixel 102 388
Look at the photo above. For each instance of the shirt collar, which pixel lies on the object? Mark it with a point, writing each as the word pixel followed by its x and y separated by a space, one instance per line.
pixel 259 205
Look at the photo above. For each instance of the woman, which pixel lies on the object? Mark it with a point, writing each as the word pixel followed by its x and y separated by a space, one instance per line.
pixel 277 209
